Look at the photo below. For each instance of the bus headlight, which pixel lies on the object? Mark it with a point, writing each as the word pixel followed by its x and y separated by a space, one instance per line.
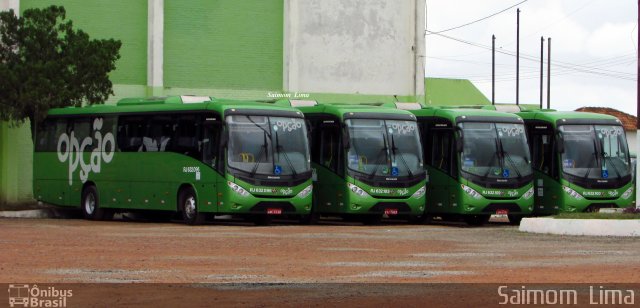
pixel 627 193
pixel 357 190
pixel 420 192
pixel 305 192
pixel 238 189
pixel 471 192
pixel 528 194
pixel 572 192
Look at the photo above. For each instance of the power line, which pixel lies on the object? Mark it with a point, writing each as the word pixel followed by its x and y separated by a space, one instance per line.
pixel 566 65
pixel 477 20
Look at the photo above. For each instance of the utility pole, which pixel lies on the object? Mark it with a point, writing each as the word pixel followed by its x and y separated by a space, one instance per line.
pixel 493 69
pixel 638 112
pixel 542 69
pixel 518 59
pixel 549 73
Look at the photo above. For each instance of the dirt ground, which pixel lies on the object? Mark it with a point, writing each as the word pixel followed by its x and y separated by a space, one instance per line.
pixel 263 261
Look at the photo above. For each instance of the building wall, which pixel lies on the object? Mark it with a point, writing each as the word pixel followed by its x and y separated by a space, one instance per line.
pixel 223 44
pixel 16 160
pixel 354 47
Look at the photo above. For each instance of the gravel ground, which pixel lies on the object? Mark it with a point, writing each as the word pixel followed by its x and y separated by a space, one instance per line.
pixel 332 264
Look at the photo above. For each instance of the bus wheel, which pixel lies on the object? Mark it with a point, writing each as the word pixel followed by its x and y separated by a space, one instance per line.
pixel 90 204
pixel 189 207
pixel 515 220
pixel 477 220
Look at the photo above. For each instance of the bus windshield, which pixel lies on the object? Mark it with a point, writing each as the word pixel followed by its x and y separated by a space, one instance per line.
pixel 595 151
pixel 384 147
pixel 266 145
pixel 495 150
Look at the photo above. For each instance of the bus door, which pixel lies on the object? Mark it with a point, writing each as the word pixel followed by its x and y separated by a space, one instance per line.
pixel 330 185
pixel 545 164
pixel 442 170
pixel 213 158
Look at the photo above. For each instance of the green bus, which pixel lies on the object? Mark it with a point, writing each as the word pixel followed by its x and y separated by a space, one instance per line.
pixel 367 162
pixel 581 161
pixel 197 156
pixel 477 163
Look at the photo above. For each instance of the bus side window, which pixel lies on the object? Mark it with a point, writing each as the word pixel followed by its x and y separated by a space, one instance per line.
pixel 45 140
pixel 131 130
pixel 158 137
pixel 81 128
pixel 186 136
pixel 329 147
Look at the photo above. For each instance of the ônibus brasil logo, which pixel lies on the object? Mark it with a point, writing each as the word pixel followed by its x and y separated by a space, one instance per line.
pixel 71 149
pixel 24 295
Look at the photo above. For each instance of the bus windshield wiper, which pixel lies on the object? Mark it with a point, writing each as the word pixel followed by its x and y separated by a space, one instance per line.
pixel 279 149
pixel 394 149
pixel 594 156
pixel 606 158
pixel 384 150
pixel 508 157
pixel 264 151
pixel 493 158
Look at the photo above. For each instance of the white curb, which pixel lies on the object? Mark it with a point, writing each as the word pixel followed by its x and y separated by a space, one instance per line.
pixel 594 227
pixel 28 214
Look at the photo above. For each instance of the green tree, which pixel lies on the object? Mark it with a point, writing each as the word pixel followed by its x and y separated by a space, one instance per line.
pixel 46 63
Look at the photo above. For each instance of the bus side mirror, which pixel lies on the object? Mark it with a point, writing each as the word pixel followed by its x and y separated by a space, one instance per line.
pixel 560 142
pixel 459 140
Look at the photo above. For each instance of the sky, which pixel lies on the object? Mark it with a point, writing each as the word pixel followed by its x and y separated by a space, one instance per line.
pixel 593 49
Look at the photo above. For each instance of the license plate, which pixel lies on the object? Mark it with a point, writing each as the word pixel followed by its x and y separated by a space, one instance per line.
pixel 274 211
pixel 391 211
pixel 502 212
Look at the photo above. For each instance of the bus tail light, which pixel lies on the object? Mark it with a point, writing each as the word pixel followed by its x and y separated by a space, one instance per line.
pixel 238 189
pixel 572 192
pixel 305 192
pixel 420 192
pixel 627 193
pixel 471 192
pixel 357 190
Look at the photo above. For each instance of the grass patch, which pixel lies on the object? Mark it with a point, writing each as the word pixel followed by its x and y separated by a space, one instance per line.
pixel 597 216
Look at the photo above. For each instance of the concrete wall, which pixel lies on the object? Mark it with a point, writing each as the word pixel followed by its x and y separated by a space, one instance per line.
pixel 354 46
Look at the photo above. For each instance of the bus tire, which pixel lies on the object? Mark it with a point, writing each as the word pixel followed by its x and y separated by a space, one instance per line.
pixel 90 204
pixel 514 220
pixel 477 220
pixel 188 204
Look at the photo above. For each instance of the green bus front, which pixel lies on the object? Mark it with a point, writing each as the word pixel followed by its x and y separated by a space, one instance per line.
pixel 581 162
pixel 477 165
pixel 268 167
pixel 367 164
